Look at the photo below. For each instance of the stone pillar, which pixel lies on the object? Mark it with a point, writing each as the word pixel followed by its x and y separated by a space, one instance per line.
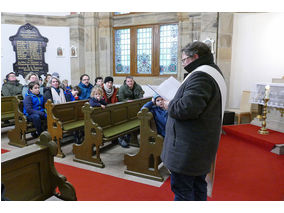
pixel 195 27
pixel 76 23
pixel 224 50
pixel 91 40
pixel 105 47
pixel 185 26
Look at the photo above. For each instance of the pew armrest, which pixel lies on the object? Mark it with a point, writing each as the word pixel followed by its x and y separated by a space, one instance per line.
pixel 29 173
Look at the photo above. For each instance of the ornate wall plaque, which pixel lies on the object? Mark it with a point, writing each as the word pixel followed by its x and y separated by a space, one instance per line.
pixel 29 47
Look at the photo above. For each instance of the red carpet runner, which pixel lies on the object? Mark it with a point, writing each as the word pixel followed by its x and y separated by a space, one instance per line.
pixel 244 172
pixel 249 133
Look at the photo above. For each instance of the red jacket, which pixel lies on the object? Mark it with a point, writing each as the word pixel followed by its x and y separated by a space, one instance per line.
pixel 113 98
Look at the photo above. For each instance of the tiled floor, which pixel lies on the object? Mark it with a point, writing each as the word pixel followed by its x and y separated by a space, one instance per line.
pixel 112 158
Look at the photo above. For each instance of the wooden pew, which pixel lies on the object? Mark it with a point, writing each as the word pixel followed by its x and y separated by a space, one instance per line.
pixel 145 163
pixel 7 111
pixel 63 119
pixel 29 173
pixel 17 136
pixel 102 125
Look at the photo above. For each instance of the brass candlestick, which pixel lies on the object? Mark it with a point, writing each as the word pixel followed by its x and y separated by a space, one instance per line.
pixel 263 130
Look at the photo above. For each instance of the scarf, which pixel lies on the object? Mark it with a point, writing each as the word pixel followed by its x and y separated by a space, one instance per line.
pixel 58 98
pixel 109 92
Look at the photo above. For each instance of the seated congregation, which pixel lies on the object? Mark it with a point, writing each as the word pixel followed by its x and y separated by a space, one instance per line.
pixel 91 115
pixel 35 95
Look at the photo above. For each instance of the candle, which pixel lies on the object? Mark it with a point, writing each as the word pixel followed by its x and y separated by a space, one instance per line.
pixel 267 91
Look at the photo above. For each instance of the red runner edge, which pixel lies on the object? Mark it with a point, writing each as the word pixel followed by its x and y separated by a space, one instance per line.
pixel 250 133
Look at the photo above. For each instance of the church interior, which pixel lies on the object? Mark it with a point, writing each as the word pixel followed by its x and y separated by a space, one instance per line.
pixel 247 47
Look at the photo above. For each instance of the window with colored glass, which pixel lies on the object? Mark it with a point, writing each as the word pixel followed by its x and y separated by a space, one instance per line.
pixel 150 50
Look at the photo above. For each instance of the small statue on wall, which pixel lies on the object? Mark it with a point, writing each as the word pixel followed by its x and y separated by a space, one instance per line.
pixel 73 51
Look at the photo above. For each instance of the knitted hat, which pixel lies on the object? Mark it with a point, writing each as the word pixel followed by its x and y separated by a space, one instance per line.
pixel 108 78
pixel 155 96
pixel 55 74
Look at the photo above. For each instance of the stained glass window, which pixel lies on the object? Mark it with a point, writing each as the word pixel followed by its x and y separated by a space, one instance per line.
pixel 147 44
pixel 122 51
pixel 168 49
pixel 144 51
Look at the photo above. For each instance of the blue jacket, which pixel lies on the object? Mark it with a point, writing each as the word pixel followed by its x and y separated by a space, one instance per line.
pixel 85 91
pixel 68 95
pixel 97 103
pixel 160 115
pixel 26 89
pixel 34 104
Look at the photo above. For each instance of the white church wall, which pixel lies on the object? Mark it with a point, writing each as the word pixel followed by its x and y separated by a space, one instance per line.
pixel 57 37
pixel 257 52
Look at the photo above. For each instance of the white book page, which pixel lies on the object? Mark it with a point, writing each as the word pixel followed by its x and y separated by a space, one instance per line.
pixel 167 89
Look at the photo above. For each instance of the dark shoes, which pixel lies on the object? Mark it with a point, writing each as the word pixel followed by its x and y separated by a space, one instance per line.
pixel 122 142
pixel 34 135
pixel 78 140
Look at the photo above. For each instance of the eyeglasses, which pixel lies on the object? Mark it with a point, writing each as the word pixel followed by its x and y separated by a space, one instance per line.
pixel 183 60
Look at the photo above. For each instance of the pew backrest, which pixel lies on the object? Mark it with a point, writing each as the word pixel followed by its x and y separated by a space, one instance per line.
pixel 7 105
pixel 65 113
pixel 118 113
pixel 102 125
pixel 63 118
pixel 29 173
pixel 8 108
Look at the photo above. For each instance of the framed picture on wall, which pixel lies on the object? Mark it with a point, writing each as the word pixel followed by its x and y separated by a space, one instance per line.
pixel 73 51
pixel 60 52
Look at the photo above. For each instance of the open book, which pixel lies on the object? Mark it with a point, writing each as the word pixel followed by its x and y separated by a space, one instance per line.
pixel 167 89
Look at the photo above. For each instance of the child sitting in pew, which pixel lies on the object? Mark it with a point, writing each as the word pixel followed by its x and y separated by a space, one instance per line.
pixel 73 94
pixel 34 107
pixel 96 98
pixel 160 114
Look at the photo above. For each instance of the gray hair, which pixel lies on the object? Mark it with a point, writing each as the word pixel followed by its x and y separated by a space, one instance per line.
pixel 27 78
pixel 129 76
pixel 196 47
pixel 49 82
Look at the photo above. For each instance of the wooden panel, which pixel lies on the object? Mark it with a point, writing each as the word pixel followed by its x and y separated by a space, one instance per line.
pixel 29 185
pixel 64 114
pixel 21 106
pixel 102 117
pixel 29 173
pixel 145 163
pixel 7 104
pixel 70 111
pixel 133 109
pixel 80 114
pixel 26 178
pixel 119 115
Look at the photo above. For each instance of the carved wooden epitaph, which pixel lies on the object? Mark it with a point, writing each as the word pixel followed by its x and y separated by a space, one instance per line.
pixel 29 46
